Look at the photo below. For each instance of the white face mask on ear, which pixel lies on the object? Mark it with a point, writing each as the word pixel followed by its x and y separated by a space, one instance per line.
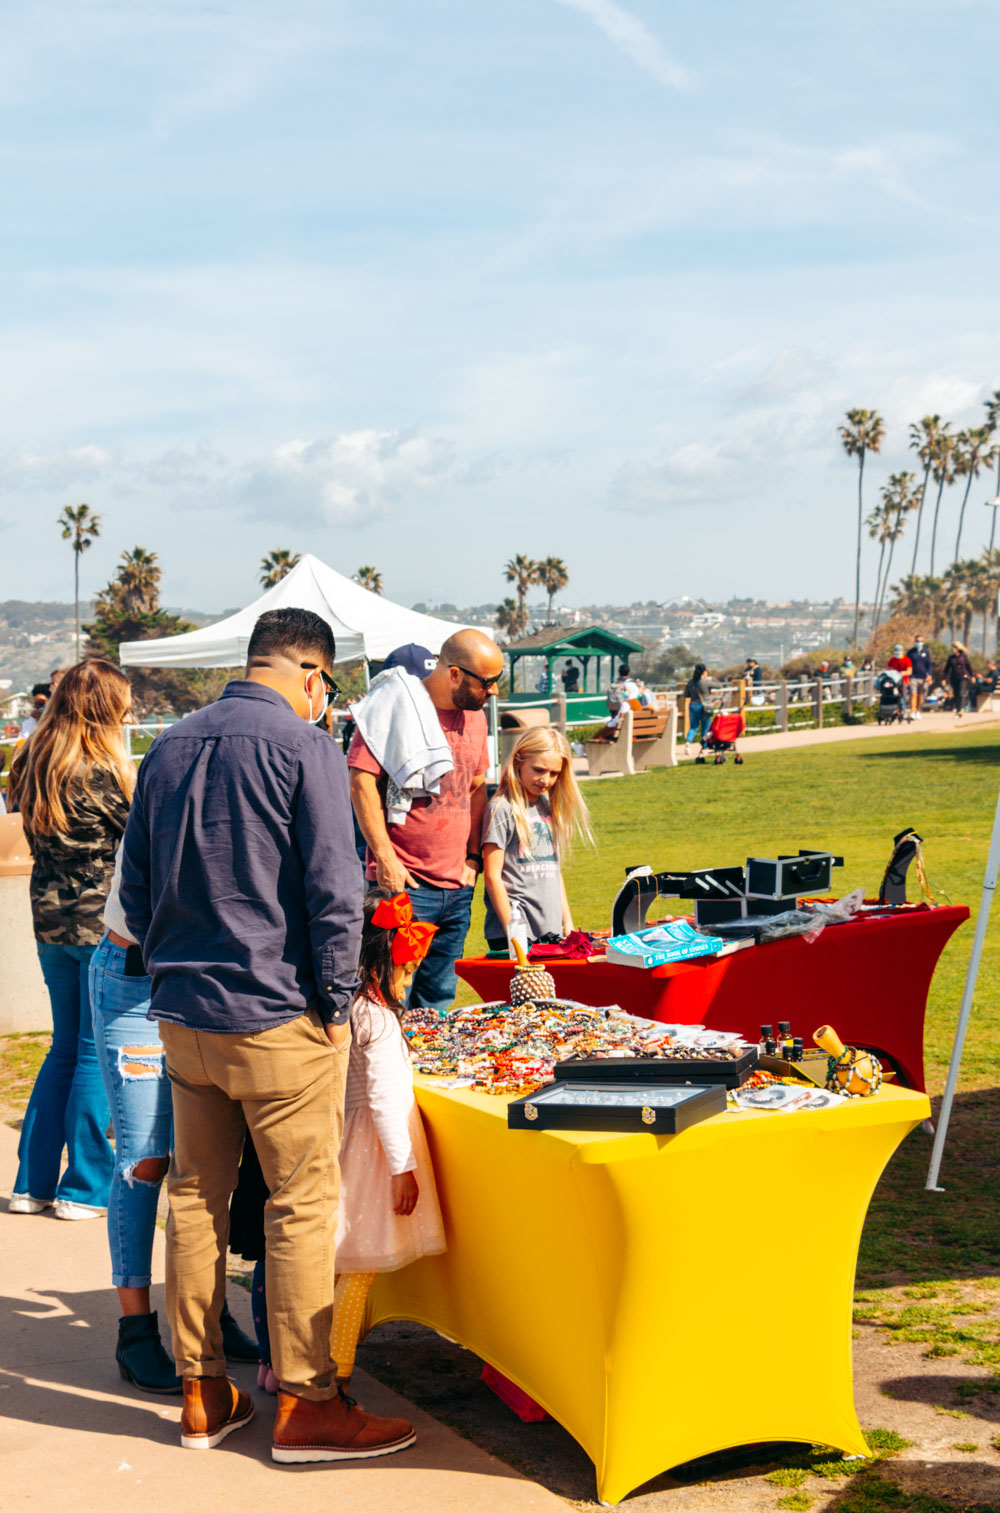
pixel 315 719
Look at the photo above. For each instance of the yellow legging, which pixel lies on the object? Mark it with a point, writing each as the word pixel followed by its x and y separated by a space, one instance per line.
pixel 349 1297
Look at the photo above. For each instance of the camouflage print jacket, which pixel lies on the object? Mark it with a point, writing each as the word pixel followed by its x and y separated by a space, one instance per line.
pixel 71 877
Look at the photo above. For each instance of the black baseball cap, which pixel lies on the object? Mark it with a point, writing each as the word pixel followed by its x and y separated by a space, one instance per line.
pixel 413 659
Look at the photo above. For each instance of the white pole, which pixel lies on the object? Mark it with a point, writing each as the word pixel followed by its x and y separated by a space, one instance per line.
pixel 982 920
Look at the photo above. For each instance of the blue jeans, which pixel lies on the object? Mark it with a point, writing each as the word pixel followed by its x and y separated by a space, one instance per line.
pixel 699 719
pixel 450 909
pixel 68 1107
pixel 132 1065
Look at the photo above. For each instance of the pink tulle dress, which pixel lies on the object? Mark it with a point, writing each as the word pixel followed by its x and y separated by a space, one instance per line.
pixel 383 1137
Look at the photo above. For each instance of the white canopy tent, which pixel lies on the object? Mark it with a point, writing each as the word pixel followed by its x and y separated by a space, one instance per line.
pixel 364 624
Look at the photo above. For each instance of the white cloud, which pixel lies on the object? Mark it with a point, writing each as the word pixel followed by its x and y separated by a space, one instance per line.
pixel 714 472
pixel 344 479
pixel 635 40
pixel 58 468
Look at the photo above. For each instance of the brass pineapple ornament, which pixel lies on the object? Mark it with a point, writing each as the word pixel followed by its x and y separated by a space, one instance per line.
pixel 529 984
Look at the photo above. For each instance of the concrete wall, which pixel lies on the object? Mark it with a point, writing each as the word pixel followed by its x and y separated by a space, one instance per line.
pixel 24 1001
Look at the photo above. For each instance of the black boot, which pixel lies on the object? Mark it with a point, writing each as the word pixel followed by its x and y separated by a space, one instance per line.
pixel 141 1357
pixel 239 1347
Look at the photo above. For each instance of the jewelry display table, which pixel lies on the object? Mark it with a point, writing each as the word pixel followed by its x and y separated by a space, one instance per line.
pixel 625 1281
pixel 870 978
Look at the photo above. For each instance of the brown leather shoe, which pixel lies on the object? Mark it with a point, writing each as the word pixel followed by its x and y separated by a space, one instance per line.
pixel 213 1408
pixel 335 1429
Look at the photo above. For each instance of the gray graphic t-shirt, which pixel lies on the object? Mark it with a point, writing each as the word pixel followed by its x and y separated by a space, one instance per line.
pixel 532 878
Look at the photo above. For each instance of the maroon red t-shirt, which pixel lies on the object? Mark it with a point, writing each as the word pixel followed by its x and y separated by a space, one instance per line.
pixel 433 840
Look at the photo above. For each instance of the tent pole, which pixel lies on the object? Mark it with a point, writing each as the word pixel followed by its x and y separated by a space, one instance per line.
pixel 982 920
pixel 368 679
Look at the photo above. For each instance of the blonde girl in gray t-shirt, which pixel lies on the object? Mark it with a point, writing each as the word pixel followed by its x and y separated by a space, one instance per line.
pixel 527 833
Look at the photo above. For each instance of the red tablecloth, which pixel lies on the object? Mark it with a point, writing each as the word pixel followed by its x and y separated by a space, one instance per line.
pixel 869 979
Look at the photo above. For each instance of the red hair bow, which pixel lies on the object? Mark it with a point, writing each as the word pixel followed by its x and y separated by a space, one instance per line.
pixel 413 938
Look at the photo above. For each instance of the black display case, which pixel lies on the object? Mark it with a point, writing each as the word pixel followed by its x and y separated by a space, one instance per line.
pixel 784 876
pixel 728 1072
pixel 616 1107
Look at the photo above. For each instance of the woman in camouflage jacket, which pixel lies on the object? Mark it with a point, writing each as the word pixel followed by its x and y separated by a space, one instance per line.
pixel 73 782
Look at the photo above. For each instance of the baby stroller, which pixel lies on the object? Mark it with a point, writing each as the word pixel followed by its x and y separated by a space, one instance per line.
pixel 723 733
pixel 891 692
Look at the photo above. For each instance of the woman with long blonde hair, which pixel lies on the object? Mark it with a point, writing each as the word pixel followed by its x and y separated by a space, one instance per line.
pixel 72 781
pixel 528 832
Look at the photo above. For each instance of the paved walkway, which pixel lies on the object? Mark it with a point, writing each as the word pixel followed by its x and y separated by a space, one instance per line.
pixel 929 724
pixel 75 1437
pixel 785 740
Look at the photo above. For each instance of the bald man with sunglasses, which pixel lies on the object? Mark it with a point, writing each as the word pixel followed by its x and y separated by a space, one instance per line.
pixel 435 854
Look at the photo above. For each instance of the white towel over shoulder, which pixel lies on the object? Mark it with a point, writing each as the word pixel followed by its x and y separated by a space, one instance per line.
pixel 400 727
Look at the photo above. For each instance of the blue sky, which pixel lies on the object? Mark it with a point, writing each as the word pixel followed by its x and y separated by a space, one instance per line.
pixel 428 285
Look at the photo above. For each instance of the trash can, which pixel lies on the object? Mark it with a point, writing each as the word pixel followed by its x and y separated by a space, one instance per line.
pixel 513 721
pixel 24 1000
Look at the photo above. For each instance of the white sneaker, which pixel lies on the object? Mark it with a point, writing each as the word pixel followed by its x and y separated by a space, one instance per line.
pixel 23 1203
pixel 64 1209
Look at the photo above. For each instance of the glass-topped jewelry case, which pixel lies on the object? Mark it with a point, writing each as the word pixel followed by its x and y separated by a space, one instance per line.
pixel 616 1108
pixel 697 1068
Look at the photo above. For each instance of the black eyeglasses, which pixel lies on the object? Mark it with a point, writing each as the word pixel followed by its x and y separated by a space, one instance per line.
pixel 332 689
pixel 485 683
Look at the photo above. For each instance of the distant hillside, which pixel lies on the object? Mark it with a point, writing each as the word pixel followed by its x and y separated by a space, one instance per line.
pixel 36 637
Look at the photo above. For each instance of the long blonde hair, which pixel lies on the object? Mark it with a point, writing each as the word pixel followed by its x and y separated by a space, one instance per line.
pixel 570 816
pixel 79 729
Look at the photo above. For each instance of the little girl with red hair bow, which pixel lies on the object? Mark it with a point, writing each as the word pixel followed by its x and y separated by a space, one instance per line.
pixel 389 1212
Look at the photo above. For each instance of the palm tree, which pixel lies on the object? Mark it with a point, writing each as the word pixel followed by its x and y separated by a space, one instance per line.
pixel 957 603
pixel 553 576
pixel 275 566
pixel 973 453
pixel 923 596
pixel 139 577
pixel 923 440
pixel 862 434
pixel 982 591
pixel 991 574
pixel 81 527
pixel 942 471
pixel 898 495
pixel 992 422
pixel 369 578
pixel 880 523
pixel 510 617
pixel 522 571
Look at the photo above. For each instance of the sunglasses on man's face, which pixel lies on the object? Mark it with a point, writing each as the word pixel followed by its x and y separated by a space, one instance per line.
pixel 332 688
pixel 485 683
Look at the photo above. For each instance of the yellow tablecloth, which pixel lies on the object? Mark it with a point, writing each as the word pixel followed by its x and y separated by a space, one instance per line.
pixel 628 1282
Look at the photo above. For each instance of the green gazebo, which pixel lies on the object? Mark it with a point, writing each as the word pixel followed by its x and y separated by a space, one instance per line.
pixel 590 645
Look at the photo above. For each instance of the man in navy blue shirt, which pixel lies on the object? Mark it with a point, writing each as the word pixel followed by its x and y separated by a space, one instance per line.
pixel 920 656
pixel 241 884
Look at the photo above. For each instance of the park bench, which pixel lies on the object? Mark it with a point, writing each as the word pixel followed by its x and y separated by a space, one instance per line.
pixel 643 738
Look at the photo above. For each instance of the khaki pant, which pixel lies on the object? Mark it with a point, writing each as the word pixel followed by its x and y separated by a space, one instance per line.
pixel 288 1085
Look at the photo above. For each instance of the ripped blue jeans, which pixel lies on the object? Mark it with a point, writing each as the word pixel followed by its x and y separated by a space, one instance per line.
pixel 134 1071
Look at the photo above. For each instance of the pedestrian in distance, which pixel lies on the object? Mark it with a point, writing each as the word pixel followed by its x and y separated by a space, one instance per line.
pixel 958 675
pixel 242 887
pixel 920 660
pixel 699 709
